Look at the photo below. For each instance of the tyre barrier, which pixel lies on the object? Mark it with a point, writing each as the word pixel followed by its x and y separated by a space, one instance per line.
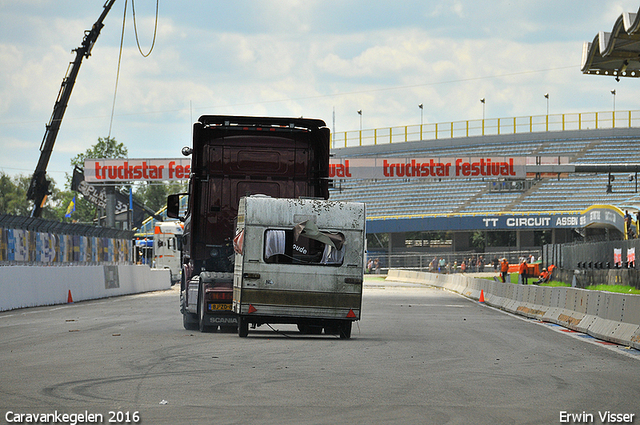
pixel 33 286
pixel 607 316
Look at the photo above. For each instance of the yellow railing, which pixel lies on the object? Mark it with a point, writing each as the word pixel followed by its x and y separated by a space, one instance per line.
pixel 487 127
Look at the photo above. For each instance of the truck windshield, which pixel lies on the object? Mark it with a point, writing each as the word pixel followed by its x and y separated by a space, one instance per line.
pixel 281 246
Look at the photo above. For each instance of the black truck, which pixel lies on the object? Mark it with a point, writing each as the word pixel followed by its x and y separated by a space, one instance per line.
pixel 233 157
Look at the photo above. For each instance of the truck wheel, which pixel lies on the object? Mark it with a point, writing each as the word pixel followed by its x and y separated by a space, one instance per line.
pixel 243 327
pixel 345 329
pixel 189 320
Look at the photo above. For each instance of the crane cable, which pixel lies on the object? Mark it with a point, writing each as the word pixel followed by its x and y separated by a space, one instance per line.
pixel 115 91
pixel 135 28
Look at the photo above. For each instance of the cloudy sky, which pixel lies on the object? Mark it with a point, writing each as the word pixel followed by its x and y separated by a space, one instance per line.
pixel 291 58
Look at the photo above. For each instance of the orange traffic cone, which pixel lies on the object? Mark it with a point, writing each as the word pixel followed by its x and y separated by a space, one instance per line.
pixel 69 298
pixel 481 296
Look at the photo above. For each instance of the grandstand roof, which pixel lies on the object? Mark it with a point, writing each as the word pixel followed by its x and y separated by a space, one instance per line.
pixel 615 53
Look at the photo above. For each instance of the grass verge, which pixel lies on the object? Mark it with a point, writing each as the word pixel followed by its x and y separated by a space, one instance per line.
pixel 374 277
pixel 623 289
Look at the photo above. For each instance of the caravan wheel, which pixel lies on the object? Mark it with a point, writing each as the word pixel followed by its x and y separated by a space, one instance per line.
pixel 243 327
pixel 345 329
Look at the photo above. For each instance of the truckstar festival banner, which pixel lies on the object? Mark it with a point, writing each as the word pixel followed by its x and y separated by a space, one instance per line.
pixel 128 170
pixel 454 167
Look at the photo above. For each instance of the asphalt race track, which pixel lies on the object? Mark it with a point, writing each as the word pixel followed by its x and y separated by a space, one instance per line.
pixel 418 356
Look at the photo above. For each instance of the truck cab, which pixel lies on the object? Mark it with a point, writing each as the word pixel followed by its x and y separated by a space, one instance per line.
pixel 167 247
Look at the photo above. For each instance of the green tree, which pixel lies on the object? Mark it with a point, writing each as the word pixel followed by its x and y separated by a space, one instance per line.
pixel 478 241
pixel 13 195
pixel 54 201
pixel 84 212
pixel 154 195
pixel 105 148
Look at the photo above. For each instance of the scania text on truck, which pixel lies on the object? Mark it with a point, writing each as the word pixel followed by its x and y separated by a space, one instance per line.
pixel 232 157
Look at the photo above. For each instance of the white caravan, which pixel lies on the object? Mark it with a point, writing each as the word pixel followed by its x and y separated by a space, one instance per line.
pixel 299 261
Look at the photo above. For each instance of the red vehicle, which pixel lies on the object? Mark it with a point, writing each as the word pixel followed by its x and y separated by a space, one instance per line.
pixel 232 157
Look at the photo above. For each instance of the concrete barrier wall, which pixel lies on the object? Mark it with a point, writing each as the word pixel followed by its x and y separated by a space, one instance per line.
pixel 31 286
pixel 608 316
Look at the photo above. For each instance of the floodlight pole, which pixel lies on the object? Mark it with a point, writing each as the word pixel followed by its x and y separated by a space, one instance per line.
pixel 421 106
pixel 483 105
pixel 546 96
pixel 360 113
pixel 613 92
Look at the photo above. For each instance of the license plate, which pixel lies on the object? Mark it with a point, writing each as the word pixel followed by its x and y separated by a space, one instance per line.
pixel 219 307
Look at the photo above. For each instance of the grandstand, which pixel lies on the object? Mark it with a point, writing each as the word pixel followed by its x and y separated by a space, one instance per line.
pixel 562 205
pixel 467 205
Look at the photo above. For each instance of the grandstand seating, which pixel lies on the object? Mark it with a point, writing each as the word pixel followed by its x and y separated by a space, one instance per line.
pixel 612 151
pixel 576 192
pixel 435 197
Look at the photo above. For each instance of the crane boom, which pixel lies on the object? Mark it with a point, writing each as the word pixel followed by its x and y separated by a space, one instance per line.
pixel 39 186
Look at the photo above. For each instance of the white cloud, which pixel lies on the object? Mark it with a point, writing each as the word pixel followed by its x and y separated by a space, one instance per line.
pixel 294 58
pixel 455 8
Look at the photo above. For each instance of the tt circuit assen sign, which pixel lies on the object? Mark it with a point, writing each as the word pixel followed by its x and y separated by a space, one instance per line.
pixel 448 222
pixel 605 216
pixel 131 170
pixel 453 167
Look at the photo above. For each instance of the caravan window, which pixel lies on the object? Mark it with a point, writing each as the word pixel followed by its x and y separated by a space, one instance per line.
pixel 281 246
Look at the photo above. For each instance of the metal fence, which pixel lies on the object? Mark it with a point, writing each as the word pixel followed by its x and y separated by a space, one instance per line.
pixel 593 255
pixel 571 256
pixel 452 260
pixel 35 241
pixel 489 126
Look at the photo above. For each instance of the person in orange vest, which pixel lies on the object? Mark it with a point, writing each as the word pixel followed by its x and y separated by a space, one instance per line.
pixel 504 269
pixel 523 271
pixel 544 277
pixel 550 270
